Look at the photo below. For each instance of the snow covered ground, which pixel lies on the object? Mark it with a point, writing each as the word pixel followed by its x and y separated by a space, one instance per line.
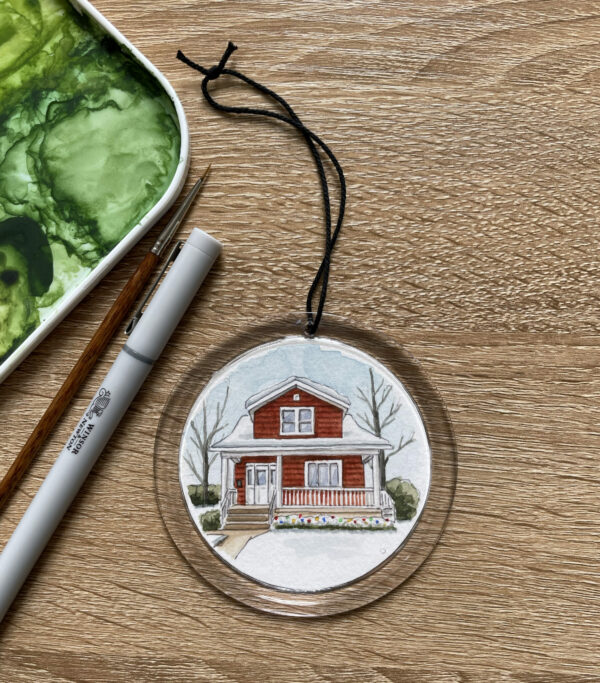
pixel 308 560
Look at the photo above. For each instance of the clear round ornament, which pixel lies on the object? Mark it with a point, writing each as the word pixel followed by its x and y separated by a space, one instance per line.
pixel 305 476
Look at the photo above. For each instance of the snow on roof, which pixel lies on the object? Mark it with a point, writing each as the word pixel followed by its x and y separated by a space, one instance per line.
pixel 320 390
pixel 355 440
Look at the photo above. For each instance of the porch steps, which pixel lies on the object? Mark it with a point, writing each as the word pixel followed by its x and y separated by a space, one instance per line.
pixel 247 517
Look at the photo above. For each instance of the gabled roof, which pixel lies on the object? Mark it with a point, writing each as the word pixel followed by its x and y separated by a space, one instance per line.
pixel 356 441
pixel 320 390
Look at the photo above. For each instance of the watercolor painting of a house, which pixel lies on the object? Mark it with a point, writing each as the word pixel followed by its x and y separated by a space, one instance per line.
pixel 304 464
pixel 297 450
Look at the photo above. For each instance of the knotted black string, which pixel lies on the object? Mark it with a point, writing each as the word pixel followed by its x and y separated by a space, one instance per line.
pixel 311 138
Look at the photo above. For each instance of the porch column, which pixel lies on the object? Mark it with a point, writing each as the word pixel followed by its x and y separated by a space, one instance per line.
pixel 376 484
pixel 224 477
pixel 278 493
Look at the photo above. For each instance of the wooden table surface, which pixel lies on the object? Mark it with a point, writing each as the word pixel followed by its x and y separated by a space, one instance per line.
pixel 469 133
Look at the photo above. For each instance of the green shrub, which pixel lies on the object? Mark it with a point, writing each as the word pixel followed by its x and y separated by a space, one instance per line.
pixel 196 492
pixel 405 496
pixel 211 520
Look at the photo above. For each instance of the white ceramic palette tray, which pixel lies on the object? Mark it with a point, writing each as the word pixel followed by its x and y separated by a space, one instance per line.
pixel 94 148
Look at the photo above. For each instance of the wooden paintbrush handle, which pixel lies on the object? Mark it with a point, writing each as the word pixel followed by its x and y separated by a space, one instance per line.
pixel 86 362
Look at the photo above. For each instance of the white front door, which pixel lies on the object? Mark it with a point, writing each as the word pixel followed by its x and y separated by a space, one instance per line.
pixel 260 483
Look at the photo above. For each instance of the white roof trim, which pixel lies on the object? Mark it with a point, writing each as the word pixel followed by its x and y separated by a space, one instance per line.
pixel 356 441
pixel 320 390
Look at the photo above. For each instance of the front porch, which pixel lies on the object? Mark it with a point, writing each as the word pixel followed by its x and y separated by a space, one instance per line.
pixel 260 517
pixel 345 502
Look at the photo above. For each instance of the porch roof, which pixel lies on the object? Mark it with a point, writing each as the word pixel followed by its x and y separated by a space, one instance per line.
pixel 356 440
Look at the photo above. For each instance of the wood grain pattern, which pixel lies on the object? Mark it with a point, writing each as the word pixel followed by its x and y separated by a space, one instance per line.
pixel 468 132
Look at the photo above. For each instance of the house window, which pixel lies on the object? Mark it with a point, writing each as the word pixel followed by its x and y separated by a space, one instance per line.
pixel 297 421
pixel 324 473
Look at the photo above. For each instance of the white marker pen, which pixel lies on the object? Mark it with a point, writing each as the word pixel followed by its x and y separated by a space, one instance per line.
pixel 121 384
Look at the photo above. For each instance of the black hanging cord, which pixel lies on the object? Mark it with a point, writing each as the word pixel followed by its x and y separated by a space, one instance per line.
pixel 313 141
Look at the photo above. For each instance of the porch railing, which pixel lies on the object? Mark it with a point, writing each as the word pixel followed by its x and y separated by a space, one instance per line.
pixel 229 499
pixel 327 497
pixel 272 506
pixel 387 505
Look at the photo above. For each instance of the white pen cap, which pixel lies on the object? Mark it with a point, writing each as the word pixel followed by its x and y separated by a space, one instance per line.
pixel 173 296
pixel 203 241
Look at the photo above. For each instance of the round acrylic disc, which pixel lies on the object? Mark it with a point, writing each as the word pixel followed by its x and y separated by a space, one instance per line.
pixel 305 476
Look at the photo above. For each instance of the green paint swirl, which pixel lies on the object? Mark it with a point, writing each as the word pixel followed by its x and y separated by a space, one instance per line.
pixel 89 142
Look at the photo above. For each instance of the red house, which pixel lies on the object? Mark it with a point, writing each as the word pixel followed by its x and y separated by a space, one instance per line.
pixel 297 449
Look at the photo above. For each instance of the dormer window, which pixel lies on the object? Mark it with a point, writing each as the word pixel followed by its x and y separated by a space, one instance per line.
pixel 297 421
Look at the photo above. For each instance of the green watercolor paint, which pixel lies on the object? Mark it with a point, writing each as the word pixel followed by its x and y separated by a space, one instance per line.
pixel 89 143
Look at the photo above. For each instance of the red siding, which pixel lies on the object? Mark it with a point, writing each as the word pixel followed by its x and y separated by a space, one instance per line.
pixel 239 474
pixel 328 418
pixel 353 473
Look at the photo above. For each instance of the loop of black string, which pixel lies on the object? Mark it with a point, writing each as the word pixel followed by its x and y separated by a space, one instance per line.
pixel 313 142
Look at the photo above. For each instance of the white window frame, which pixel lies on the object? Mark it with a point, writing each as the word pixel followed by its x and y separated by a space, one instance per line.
pixel 296 410
pixel 320 462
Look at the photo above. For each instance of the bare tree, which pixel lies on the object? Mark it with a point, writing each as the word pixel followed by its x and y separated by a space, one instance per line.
pixel 203 438
pixel 381 412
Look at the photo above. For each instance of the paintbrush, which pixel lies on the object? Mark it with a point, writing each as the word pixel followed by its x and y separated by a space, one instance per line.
pixel 95 347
